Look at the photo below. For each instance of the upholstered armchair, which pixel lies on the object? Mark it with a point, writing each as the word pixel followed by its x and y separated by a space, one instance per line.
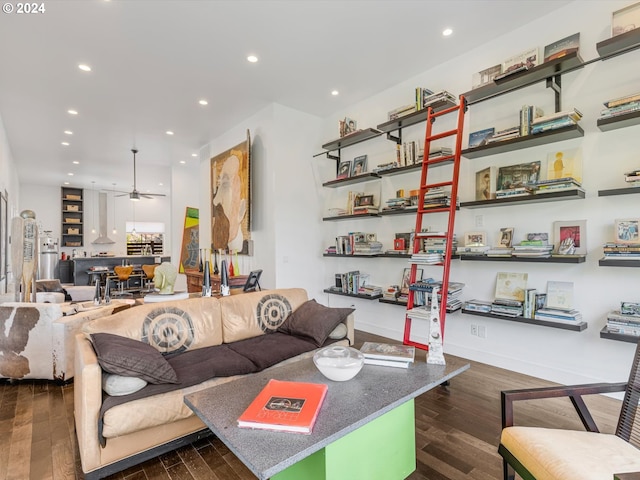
pixel 556 454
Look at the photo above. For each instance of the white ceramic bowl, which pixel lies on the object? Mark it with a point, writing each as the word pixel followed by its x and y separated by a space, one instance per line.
pixel 339 363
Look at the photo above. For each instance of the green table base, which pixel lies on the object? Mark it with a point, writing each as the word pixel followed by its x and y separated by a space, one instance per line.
pixel 383 449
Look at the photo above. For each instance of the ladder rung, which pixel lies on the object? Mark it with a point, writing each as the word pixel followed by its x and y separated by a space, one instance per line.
pixel 448 133
pixel 446 158
pixel 434 185
pixel 445 111
pixel 434 210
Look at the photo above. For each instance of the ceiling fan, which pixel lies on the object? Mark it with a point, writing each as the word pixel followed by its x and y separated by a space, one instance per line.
pixel 135 195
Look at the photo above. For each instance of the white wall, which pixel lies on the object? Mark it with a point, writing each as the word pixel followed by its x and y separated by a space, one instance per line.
pixel 554 354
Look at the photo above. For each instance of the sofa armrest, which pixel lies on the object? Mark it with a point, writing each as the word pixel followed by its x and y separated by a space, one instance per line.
pixel 574 392
pixel 87 397
pixel 350 322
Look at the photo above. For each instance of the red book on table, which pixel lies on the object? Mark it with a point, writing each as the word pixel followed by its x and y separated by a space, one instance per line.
pixel 285 406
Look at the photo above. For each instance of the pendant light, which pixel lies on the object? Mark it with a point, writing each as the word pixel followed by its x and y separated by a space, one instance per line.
pixel 93 206
pixel 115 231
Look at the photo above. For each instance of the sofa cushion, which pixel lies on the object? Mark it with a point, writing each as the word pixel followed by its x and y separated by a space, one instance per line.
pixel 252 314
pixel 128 357
pixel 174 326
pixel 267 350
pixel 314 321
pixel 119 385
pixel 339 332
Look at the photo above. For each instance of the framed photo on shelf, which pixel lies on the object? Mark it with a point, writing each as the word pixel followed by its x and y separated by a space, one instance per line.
pixel 486 180
pixel 505 237
pixel 511 286
pixel 344 169
pixel 559 295
pixel 364 201
pixel 565 164
pixel 517 176
pixel 626 231
pixel 406 275
pixel 359 165
pixel 566 232
pixel 475 239
pixel 562 47
pixel 349 126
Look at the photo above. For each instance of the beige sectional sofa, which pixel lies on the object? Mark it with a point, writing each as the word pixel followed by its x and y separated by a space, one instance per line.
pixel 272 324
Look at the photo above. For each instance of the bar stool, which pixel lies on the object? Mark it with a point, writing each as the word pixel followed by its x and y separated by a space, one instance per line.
pixel 123 273
pixel 149 273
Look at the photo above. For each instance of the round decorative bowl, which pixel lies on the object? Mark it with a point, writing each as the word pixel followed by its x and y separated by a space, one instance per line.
pixel 339 363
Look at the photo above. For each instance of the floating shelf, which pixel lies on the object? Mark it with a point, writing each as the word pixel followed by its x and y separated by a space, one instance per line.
pixel 612 262
pixel 550 136
pixel 340 182
pixel 404 304
pixel 619 44
pixel 395 255
pixel 619 121
pixel 577 327
pixel 618 191
pixel 536 198
pixel 346 217
pixel 413 118
pixel 364 297
pixel 605 333
pixel 558 259
pixel 524 79
pixel 373 255
pixel 351 139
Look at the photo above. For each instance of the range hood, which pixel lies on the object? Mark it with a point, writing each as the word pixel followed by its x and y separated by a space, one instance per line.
pixel 102 221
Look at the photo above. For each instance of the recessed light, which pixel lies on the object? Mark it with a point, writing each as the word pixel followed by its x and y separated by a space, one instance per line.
pixel 66 144
pixel 76 162
pixel 66 183
pixel 252 58
pixel 161 184
pixel 335 92
pixel 169 132
pixel 446 32
pixel 203 102
pixel 70 174
pixel 183 162
pixel 68 132
pixel 84 67
pixel 72 112
pixel 194 154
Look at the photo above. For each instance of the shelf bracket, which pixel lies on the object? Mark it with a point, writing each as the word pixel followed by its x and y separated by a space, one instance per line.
pixel 555 84
pixel 334 157
pixel 397 139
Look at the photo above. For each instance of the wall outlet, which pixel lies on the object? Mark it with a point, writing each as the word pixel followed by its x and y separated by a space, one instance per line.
pixel 482 331
pixel 479 221
pixel 474 330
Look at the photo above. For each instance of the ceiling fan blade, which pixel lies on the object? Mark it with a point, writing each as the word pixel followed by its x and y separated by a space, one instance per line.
pixel 151 195
pixel 123 194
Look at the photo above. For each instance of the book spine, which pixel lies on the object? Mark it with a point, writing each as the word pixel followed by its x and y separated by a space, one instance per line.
pixel 622 101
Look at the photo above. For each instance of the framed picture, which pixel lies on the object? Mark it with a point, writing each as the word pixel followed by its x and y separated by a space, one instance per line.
pixel 562 47
pixel 406 275
pixel 359 165
pixel 625 19
pixel 568 232
pixel 511 286
pixel 505 239
pixel 475 239
pixel 626 230
pixel 538 236
pixel 344 169
pixel 516 176
pixel 364 200
pixel 486 180
pixel 565 164
pixel 349 126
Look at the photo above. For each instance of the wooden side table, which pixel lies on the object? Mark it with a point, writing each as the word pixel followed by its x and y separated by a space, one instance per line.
pixel 194 281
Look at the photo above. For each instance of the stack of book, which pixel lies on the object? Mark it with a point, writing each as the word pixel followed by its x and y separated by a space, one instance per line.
pixel 473 250
pixel 424 258
pixel 557 184
pixel 475 305
pixel 532 248
pixel 509 308
pixel 370 290
pixel 632 178
pixel 621 251
pixel 499 251
pixel 555 121
pixel 436 152
pixel 350 282
pixel 558 315
pixel 391 292
pixel 422 94
pixel 385 354
pixel 367 248
pixel 528 114
pixel 502 135
pixel 441 96
pixel 424 288
pixel 620 106
pixel 624 323
pixel 402 111
pixel 397 203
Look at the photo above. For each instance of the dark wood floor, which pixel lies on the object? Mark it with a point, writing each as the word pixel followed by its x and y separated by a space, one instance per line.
pixel 457 431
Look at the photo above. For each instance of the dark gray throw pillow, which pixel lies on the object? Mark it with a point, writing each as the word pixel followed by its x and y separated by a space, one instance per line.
pixel 314 321
pixel 132 358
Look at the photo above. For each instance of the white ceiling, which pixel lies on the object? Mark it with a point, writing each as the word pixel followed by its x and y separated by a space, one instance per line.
pixel 153 60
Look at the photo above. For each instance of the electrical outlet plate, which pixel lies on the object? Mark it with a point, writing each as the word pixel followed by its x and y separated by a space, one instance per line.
pixel 474 330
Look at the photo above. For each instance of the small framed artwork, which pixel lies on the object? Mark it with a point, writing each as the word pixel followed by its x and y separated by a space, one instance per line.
pixel 406 275
pixel 625 20
pixel 626 230
pixel 475 239
pixel 486 180
pixel 359 165
pixel 372 237
pixel 570 233
pixel 349 125
pixel 344 169
pixel 505 237
pixel 364 201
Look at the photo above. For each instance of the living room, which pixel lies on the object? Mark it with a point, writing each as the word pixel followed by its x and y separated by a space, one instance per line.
pixel 285 139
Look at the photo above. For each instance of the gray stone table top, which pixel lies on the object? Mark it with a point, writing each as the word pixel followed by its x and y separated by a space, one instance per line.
pixel 348 405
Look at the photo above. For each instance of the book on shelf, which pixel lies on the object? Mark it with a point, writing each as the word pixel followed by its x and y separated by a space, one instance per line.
pixel 388 352
pixel 519 176
pixel 421 96
pixel 620 110
pixel 476 305
pixel 486 181
pixel 483 77
pixel 528 113
pixel 402 111
pixel 480 137
pixel 520 62
pixel 562 47
pixel 563 165
pixel 622 100
pixel 553 315
pixel 511 286
pixel 440 96
pixel 574 115
pixel 285 406
pixel 559 295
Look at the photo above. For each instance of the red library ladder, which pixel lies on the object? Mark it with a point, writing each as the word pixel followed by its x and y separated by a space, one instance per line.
pixel 450 210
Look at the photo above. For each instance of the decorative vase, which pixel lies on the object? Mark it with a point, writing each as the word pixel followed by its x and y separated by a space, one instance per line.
pixel 224 279
pixel 206 280
pixel 216 271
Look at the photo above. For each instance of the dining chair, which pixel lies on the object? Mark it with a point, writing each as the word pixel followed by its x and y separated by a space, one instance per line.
pixel 149 272
pixel 123 273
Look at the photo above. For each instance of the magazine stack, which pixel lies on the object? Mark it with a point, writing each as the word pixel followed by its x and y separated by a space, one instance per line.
pixel 625 321
pixel 620 106
pixel 399 356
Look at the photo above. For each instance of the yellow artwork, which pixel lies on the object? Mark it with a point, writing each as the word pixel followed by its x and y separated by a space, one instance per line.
pixel 190 240
pixel 565 164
